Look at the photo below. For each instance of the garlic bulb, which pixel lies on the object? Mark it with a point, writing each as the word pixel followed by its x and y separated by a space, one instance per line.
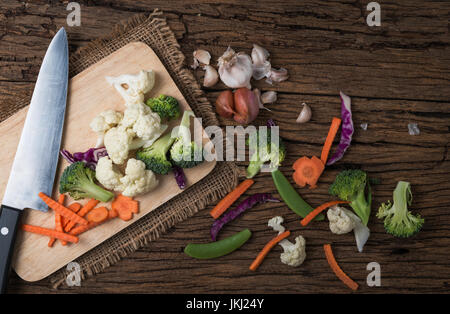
pixel 235 69
pixel 305 114
pixel 211 76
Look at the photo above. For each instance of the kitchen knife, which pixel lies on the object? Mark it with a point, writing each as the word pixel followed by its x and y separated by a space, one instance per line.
pixel 36 158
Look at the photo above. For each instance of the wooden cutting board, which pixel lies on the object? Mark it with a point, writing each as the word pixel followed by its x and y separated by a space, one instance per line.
pixel 89 94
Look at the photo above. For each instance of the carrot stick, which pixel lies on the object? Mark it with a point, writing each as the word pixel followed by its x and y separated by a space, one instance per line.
pixel 318 210
pixel 98 214
pixel 80 229
pixel 337 270
pixel 75 207
pixel 230 198
pixel 58 223
pixel 49 232
pixel 334 128
pixel 83 211
pixel 63 211
pixel 258 260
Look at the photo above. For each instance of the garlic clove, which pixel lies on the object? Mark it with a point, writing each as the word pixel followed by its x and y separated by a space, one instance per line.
pixel 211 76
pixel 269 97
pixel 259 55
pixel 277 76
pixel 261 71
pixel 259 99
pixel 305 114
pixel 202 56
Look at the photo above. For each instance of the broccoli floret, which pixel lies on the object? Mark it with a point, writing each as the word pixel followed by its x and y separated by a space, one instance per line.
pixel 350 185
pixel 154 156
pixel 398 220
pixel 184 152
pixel 166 106
pixel 265 153
pixel 78 181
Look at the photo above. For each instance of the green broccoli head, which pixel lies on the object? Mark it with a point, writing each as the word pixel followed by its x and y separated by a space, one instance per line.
pixel 350 185
pixel 154 156
pixel 184 152
pixel 166 106
pixel 267 152
pixel 398 220
pixel 78 181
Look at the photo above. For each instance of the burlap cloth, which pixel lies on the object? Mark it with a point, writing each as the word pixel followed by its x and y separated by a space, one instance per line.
pixel 154 31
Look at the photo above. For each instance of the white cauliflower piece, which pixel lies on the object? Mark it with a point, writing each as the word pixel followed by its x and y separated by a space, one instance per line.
pixel 117 144
pixel 133 87
pixel 137 180
pixel 340 222
pixel 103 122
pixel 144 123
pixel 106 175
pixel 294 254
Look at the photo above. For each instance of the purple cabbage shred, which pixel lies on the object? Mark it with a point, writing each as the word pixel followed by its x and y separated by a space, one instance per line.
pixel 179 177
pixel 89 157
pixel 248 203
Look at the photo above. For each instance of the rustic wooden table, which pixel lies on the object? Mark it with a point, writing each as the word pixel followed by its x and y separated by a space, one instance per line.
pixel 396 73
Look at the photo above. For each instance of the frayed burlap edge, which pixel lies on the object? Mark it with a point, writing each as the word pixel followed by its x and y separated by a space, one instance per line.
pixel 154 31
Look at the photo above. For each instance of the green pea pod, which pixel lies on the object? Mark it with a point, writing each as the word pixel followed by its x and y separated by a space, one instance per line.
pixel 218 248
pixel 291 197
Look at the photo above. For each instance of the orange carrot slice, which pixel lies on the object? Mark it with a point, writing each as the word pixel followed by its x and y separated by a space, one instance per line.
pixel 307 171
pixel 125 207
pixel 83 211
pixel 98 214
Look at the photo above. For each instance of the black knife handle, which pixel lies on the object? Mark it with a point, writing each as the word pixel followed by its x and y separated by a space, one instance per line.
pixel 9 222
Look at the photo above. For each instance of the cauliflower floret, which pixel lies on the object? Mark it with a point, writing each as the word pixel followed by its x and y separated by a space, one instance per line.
pixel 133 87
pixel 117 144
pixel 294 254
pixel 340 222
pixel 137 180
pixel 144 124
pixel 106 175
pixel 103 122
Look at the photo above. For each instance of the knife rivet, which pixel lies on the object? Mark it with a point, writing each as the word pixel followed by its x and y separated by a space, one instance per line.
pixel 4 231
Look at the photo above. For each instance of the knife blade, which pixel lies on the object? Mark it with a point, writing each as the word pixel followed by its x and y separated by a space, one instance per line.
pixel 36 158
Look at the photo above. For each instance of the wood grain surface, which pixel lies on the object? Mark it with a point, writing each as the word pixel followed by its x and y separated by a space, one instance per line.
pixel 396 74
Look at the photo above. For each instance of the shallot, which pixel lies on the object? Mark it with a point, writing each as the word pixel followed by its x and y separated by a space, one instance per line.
pixel 246 105
pixel 225 104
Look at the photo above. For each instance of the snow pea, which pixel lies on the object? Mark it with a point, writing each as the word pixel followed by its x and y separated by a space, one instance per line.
pixel 218 248
pixel 290 196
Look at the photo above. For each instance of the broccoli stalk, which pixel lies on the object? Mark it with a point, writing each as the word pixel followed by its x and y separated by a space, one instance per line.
pixel 78 181
pixel 398 220
pixel 265 152
pixel 154 156
pixel 184 152
pixel 166 107
pixel 350 185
